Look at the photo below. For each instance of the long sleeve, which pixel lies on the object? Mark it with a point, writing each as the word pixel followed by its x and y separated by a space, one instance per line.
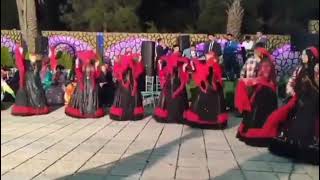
pixel 292 81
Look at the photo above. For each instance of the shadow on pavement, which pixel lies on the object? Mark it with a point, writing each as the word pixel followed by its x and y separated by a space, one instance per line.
pixel 129 162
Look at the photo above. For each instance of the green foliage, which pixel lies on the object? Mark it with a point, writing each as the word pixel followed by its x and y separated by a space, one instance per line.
pixel 6 58
pixel 212 18
pixel 102 15
pixel 65 59
pixel 151 27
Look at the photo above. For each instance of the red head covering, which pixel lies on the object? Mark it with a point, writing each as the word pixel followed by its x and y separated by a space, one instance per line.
pixel 314 51
pixel 264 52
pixel 87 56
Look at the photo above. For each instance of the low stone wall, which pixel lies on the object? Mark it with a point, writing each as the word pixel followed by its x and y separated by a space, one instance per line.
pixel 88 39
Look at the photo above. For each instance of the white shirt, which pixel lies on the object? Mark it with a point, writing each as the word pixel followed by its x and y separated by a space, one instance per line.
pixel 247 45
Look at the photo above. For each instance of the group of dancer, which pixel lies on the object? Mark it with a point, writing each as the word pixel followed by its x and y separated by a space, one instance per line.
pixel 291 130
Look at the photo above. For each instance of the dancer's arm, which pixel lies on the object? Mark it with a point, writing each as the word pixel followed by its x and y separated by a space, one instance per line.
pixel 292 81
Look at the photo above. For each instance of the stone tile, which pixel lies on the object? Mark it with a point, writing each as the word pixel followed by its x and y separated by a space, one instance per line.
pixel 29 169
pixel 228 175
pixel 63 168
pixel 132 177
pixel 106 158
pixel 192 173
pixel 156 171
pixel 192 162
pixel 256 166
pixel 282 167
pixel 284 176
pixel 97 168
pixel 81 176
pixel 126 169
pixel 252 175
pixel 221 166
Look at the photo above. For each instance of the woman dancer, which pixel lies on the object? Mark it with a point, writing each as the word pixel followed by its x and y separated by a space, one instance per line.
pixel 30 98
pixel 85 102
pixel 299 132
pixel 173 99
pixel 208 108
pixel 256 98
pixel 127 103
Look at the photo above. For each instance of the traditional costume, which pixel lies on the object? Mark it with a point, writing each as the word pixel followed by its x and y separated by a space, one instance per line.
pixel 85 102
pixel 256 99
pixel 127 103
pixel 173 100
pixel 208 109
pixel 30 98
pixel 299 131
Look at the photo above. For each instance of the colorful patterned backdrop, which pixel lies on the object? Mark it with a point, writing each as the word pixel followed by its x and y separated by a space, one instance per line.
pixel 117 43
pixel 314 26
pixel 114 41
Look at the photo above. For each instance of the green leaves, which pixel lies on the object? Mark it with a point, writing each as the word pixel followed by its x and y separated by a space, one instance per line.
pixel 103 15
pixel 6 58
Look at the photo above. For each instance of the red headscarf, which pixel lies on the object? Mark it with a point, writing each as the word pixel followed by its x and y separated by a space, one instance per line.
pixel 314 51
pixel 265 52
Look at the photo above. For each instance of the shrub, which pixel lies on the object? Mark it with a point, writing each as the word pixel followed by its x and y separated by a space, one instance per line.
pixel 65 59
pixel 7 58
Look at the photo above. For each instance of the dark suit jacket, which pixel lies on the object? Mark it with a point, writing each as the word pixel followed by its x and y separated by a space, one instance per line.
pixel 161 52
pixel 216 48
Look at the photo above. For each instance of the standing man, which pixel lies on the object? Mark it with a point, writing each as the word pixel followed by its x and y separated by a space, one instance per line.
pixel 229 57
pixel 261 40
pixel 190 52
pixel 161 49
pixel 213 46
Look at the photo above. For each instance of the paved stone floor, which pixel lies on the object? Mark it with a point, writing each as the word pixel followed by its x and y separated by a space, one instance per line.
pixel 55 146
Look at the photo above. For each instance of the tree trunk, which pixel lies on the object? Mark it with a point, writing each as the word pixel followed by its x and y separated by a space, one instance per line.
pixel 28 23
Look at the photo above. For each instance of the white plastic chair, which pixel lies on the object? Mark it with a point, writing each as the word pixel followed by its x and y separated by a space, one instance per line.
pixel 148 94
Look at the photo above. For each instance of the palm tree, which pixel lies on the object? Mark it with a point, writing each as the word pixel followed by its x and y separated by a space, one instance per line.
pixel 28 23
pixel 235 16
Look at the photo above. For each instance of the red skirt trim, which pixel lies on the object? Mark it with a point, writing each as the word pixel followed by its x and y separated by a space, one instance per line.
pixel 161 113
pixel 138 111
pixel 116 111
pixel 73 112
pixel 28 111
pixel 195 118
pixel 270 128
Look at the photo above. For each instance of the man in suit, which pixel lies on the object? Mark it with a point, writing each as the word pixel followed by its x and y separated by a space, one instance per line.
pixel 229 57
pixel 213 46
pixel 161 49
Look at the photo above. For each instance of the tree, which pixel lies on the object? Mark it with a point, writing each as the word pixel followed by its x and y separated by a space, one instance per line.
pixel 28 23
pixel 101 15
pixel 9 14
pixel 235 15
pixel 212 18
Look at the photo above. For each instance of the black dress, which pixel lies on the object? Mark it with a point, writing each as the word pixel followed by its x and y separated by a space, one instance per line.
pixel 170 109
pixel 30 98
pixel 299 134
pixel 107 91
pixel 252 129
pixel 84 102
pixel 127 103
pixel 208 109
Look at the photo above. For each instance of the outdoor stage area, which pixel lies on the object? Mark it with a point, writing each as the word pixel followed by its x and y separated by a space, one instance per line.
pixel 55 146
